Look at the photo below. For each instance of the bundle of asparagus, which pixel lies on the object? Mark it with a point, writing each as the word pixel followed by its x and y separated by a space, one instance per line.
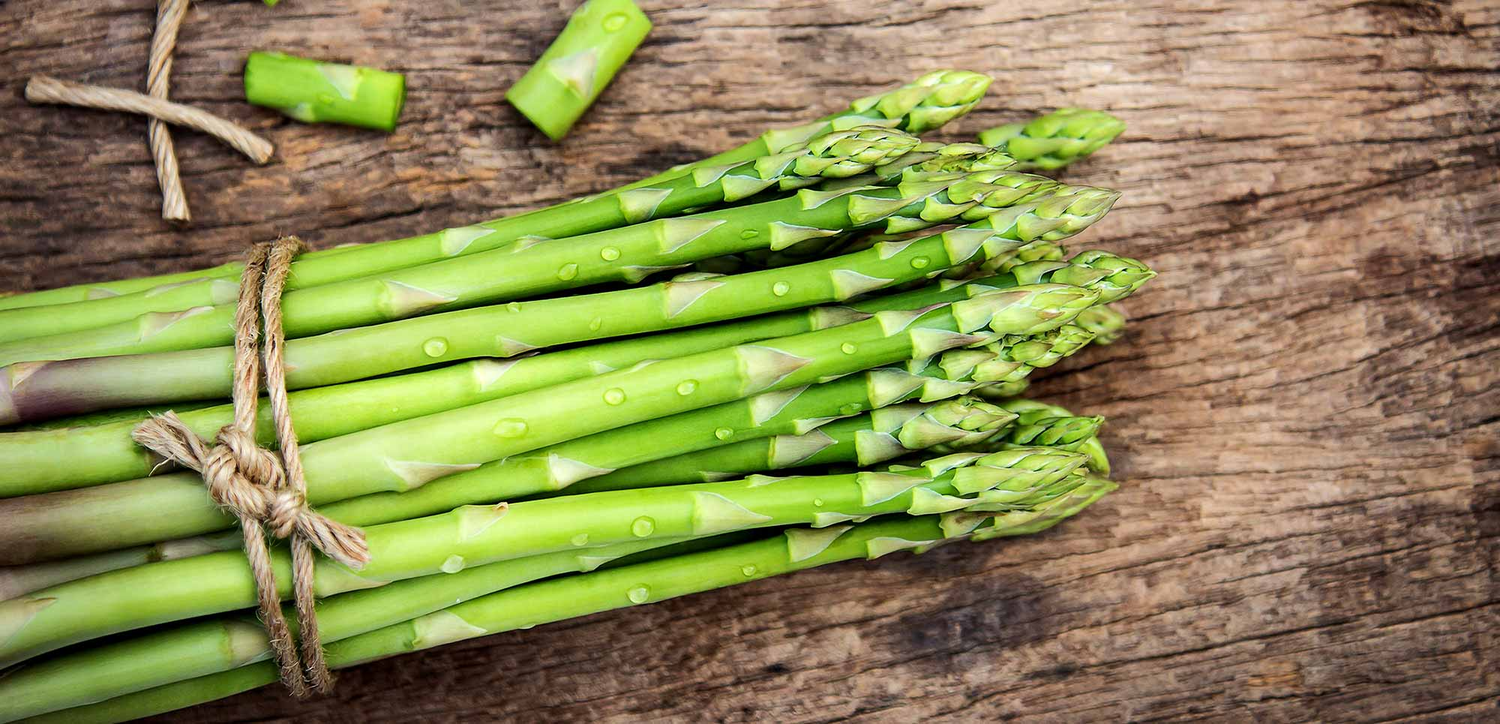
pixel 518 454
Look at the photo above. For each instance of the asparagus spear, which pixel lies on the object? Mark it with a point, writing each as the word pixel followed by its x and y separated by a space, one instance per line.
pixel 876 436
pixel 16 581
pixel 1035 412
pixel 1106 322
pixel 922 106
pixel 40 390
pixel 599 38
pixel 1056 139
pixel 214 645
pixel 405 455
pixel 475 535
pixel 557 467
pixel 314 91
pixel 619 253
pixel 29 463
pixel 558 599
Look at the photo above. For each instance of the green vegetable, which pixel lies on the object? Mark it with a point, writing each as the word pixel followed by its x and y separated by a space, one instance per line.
pixel 538 266
pixel 558 599
pixel 407 454
pixel 1056 139
pixel 923 105
pixel 916 108
pixel 1010 208
pixel 475 535
pixel 43 461
pixel 597 41
pixel 881 434
pixel 314 91
pixel 213 645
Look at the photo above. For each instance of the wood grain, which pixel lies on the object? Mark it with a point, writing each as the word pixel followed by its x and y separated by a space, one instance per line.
pixel 1304 414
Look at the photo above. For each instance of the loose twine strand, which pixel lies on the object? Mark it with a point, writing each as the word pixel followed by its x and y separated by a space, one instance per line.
pixel 253 483
pixel 46 89
pixel 169 15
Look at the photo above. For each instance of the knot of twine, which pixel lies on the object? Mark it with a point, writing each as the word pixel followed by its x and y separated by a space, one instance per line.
pixel 263 489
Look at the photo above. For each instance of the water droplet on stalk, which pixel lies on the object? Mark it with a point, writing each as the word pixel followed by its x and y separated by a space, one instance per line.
pixel 614 21
pixel 582 539
pixel 609 253
pixel 723 433
pixel 687 387
pixel 848 348
pixel 920 262
pixel 642 527
pixel 435 347
pixel 780 288
pixel 749 569
pixel 567 272
pixel 639 594
pixel 614 396
pixel 510 427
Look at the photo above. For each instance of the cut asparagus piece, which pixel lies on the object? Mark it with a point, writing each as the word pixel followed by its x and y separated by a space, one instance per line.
pixel 598 39
pixel 1056 139
pixel 558 599
pixel 314 91
pixel 917 108
pixel 405 455
pixel 475 535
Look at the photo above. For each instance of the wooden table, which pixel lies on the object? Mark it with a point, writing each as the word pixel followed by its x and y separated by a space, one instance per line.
pixel 1304 413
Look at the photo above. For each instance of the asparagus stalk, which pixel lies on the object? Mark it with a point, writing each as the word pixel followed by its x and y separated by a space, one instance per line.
pixel 1034 412
pixel 829 156
pixel 405 455
pixel 1106 322
pixel 475 535
pixel 923 105
pixel 598 39
pixel 16 581
pixel 620 253
pixel 49 389
pixel 876 436
pixel 1056 139
pixel 733 427
pixel 938 97
pixel 558 467
pixel 558 599
pixel 314 91
pixel 30 463
pixel 213 645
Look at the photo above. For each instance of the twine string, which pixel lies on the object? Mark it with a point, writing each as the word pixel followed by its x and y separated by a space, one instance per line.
pixel 169 15
pixel 259 488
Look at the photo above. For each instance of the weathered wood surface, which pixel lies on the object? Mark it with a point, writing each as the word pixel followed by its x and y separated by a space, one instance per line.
pixel 1304 414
